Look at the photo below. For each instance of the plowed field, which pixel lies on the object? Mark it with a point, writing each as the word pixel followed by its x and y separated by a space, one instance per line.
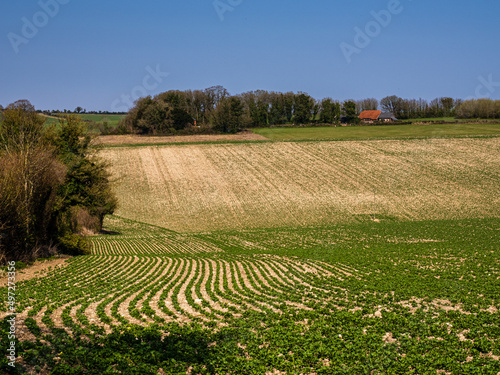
pixel 196 188
pixel 274 258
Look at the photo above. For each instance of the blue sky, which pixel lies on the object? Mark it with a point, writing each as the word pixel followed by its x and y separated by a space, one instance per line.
pixel 101 54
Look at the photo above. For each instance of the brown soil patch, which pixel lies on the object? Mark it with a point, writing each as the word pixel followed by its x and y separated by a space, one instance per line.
pixel 36 270
pixel 388 339
pixel 115 140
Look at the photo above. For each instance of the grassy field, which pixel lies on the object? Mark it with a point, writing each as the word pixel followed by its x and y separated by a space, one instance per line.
pixel 360 257
pixel 51 120
pixel 380 132
pixel 112 120
pixel 448 119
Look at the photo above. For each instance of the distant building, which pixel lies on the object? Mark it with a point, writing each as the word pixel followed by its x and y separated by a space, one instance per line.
pixel 369 116
pixel 387 117
pixel 372 116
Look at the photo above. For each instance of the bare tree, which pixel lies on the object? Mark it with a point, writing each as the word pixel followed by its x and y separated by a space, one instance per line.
pixel 369 104
pixel 29 177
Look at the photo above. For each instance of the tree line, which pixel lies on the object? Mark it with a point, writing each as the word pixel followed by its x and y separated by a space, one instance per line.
pixel 441 107
pixel 214 108
pixel 52 185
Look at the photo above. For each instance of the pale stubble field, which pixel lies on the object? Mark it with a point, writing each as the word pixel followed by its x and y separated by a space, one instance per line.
pixel 207 187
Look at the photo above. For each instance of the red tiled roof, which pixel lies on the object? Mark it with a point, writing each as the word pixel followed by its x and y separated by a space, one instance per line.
pixel 370 115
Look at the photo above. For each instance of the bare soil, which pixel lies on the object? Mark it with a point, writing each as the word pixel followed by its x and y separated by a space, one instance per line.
pixel 37 269
pixel 116 140
pixel 264 185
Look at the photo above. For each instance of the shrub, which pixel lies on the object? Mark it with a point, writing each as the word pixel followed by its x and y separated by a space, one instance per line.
pixel 74 244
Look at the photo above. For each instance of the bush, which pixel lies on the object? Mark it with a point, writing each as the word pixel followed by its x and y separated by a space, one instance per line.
pixel 73 244
pixel 51 186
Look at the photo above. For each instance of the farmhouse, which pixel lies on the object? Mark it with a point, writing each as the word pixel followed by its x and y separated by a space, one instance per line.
pixel 387 117
pixel 372 116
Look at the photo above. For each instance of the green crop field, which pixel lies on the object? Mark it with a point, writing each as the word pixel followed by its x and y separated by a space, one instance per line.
pixel 359 257
pixel 51 120
pixel 112 120
pixel 380 132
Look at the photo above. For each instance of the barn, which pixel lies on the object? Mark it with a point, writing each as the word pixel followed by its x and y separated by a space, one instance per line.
pixel 370 116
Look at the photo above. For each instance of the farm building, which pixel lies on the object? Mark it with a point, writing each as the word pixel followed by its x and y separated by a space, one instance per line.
pixel 372 116
pixel 387 117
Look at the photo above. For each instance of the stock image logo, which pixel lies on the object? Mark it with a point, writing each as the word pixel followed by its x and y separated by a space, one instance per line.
pixel 32 25
pixel 150 82
pixel 224 6
pixel 373 28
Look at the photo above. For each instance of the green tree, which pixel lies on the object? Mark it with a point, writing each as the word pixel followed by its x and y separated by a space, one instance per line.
pixel 281 108
pixel 350 113
pixel 163 114
pixel 329 111
pixel 131 121
pixel 448 104
pixel 48 177
pixel 87 183
pixel 228 115
pixel 302 109
pixel 157 118
pixel 257 105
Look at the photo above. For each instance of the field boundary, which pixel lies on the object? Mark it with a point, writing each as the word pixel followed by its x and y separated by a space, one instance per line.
pixel 268 140
pixel 132 145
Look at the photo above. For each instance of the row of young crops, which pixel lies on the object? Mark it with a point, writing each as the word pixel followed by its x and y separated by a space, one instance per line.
pixel 94 293
pixel 162 245
pixel 389 297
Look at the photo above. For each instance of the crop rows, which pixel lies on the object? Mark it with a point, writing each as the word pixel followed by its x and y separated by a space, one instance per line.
pixel 303 299
pixel 142 245
pixel 200 188
pixel 96 292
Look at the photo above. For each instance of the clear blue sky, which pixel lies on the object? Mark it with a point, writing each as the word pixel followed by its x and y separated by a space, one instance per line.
pixel 95 53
